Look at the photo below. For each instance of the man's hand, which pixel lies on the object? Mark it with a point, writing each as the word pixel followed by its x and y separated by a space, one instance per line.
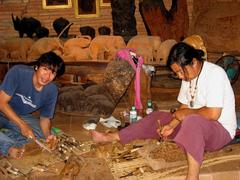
pixel 166 130
pixel 52 142
pixel 26 131
pixel 159 129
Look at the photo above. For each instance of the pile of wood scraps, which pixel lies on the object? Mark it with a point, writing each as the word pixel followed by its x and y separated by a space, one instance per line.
pixel 68 145
pixel 155 160
pixel 144 158
pixel 141 159
pixel 37 162
pixel 34 160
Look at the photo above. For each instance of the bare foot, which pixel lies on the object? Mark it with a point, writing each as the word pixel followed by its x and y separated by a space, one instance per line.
pixel 104 137
pixel 16 153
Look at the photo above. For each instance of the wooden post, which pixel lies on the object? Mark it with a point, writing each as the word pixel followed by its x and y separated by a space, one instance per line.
pixel 145 91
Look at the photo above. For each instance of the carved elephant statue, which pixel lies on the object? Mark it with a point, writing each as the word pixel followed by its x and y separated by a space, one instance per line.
pixel 81 41
pixel 77 49
pixel 105 47
pixel 146 46
pixel 164 50
pixel 76 54
pixel 17 48
pixel 3 54
pixel 44 45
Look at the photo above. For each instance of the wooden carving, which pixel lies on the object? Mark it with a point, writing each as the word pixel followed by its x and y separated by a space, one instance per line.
pixel 168 24
pixel 99 99
pixel 124 21
pixel 218 25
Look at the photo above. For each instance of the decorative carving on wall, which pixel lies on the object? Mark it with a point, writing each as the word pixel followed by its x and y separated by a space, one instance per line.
pixel 169 24
pixel 218 24
pixel 124 22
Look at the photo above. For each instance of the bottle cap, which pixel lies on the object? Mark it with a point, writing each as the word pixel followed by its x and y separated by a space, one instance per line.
pixel 56 130
pixel 133 108
pixel 149 103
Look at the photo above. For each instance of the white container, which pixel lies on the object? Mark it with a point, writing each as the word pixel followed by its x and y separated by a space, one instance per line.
pixel 149 107
pixel 149 110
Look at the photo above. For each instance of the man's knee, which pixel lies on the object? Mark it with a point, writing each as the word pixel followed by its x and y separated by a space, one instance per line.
pixel 192 123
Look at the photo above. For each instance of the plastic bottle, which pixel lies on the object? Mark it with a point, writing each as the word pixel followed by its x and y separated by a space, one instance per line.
pixel 149 107
pixel 133 114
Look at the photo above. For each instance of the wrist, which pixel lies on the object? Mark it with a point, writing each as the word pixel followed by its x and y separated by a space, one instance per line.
pixel 176 118
pixel 173 123
pixel 21 124
pixel 47 134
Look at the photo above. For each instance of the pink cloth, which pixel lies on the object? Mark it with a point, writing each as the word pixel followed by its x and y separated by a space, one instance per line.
pixel 125 55
pixel 194 135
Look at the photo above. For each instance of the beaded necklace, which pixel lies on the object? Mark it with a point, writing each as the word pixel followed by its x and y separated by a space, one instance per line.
pixel 194 92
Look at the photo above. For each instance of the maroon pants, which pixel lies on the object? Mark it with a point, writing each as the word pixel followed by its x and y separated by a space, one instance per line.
pixel 195 134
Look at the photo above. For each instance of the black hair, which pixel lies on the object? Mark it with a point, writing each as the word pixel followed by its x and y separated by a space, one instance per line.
pixel 52 61
pixel 183 54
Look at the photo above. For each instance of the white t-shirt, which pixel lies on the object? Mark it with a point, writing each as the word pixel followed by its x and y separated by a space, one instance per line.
pixel 213 90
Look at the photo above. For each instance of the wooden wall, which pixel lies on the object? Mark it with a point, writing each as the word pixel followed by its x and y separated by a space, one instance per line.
pixel 47 16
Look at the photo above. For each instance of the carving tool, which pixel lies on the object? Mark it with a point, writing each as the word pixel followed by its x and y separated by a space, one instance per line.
pixel 41 144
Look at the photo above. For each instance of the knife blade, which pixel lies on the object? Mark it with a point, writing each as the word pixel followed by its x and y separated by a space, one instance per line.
pixel 42 145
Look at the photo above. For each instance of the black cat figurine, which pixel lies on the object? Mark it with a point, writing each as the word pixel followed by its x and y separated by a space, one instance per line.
pixel 26 25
